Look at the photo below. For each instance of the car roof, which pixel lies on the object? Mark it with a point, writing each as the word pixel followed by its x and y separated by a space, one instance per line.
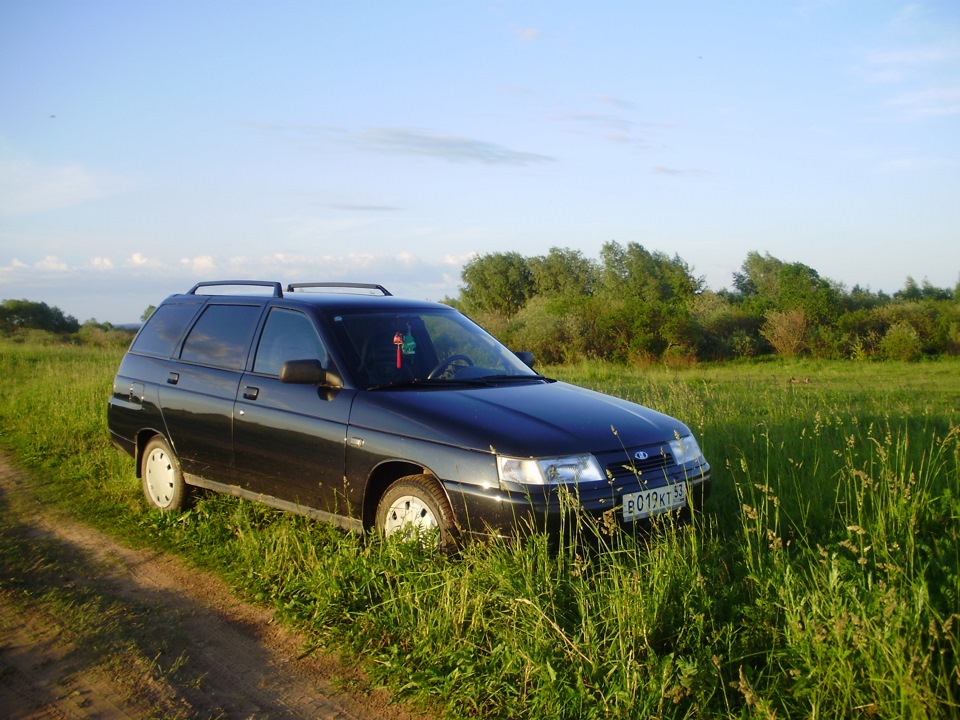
pixel 345 296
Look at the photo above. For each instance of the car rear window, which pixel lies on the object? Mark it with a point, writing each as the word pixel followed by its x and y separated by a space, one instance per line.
pixel 164 329
pixel 221 336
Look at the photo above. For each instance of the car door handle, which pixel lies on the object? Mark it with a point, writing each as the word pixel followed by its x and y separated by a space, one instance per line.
pixel 250 393
pixel 173 378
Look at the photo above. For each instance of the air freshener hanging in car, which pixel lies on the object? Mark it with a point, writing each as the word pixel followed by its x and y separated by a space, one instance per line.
pixel 409 344
pixel 398 341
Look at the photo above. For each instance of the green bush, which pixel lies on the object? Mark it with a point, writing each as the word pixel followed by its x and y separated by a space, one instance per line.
pixel 901 342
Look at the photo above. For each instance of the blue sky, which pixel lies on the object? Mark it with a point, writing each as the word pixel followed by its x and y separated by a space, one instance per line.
pixel 147 146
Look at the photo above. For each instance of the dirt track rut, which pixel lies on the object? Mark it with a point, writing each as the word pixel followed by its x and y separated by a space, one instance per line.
pixel 234 661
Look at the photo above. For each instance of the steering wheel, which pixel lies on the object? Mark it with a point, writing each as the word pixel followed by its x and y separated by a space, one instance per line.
pixel 444 365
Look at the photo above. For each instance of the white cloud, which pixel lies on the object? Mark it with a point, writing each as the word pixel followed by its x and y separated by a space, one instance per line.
pixel 459 260
pixel 923 76
pixel 102 263
pixel 526 34
pixel 928 103
pixel 201 265
pixel 675 172
pixel 51 262
pixel 898 65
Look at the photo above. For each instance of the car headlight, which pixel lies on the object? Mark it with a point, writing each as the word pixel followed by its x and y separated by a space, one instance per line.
pixel 549 471
pixel 685 450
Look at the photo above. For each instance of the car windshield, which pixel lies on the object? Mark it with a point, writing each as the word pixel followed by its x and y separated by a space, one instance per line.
pixel 390 348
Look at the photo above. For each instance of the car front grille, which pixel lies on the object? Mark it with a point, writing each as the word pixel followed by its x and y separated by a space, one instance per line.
pixel 654 467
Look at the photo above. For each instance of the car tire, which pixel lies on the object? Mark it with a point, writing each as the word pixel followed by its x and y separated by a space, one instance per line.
pixel 161 478
pixel 416 506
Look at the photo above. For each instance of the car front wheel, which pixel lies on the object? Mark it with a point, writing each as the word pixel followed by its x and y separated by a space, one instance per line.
pixel 163 484
pixel 417 508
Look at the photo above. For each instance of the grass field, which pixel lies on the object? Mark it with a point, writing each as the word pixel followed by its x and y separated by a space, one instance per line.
pixel 822 578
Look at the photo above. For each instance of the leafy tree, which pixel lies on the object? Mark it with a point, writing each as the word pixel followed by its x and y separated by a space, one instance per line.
pixel 725 329
pixel 29 315
pixel 563 272
pixel 862 298
pixel 786 331
pixel 102 334
pixel 552 336
pixel 635 304
pixel 654 277
pixel 901 342
pixel 658 292
pixel 925 291
pixel 802 287
pixel 911 290
pixel 861 330
pixel 497 283
pixel 758 276
pixel 767 283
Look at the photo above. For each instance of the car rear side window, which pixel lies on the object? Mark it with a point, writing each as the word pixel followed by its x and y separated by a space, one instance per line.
pixel 163 329
pixel 287 335
pixel 221 336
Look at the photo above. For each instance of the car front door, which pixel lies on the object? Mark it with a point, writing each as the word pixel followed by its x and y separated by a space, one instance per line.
pixel 289 438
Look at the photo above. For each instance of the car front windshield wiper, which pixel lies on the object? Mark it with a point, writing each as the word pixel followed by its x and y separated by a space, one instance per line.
pixel 488 379
pixel 454 382
pixel 418 382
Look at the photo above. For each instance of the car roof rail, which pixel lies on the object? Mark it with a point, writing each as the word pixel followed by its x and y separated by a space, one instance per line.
pixel 275 286
pixel 292 287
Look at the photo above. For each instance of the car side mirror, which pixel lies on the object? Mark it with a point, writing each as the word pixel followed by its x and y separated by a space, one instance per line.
pixel 308 372
pixel 526 357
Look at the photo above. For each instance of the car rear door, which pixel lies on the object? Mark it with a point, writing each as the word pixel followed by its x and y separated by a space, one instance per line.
pixel 200 388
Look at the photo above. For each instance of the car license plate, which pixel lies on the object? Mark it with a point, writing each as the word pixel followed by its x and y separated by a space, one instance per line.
pixel 645 503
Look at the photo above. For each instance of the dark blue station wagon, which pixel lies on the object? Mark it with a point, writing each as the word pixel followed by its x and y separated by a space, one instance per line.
pixel 350 405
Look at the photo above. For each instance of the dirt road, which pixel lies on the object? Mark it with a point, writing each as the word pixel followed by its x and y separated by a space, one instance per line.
pixel 217 657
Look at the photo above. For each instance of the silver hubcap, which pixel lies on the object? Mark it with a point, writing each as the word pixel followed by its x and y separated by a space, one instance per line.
pixel 160 477
pixel 410 515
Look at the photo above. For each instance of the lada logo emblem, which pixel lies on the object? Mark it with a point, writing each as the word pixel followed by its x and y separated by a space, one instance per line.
pixel 641 455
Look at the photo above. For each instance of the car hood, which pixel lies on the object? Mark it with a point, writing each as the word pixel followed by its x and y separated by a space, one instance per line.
pixel 536 419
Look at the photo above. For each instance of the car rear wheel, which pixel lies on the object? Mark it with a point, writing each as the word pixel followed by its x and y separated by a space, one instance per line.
pixel 163 484
pixel 416 508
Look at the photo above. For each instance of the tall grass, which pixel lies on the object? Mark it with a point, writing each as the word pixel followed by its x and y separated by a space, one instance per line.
pixel 822 578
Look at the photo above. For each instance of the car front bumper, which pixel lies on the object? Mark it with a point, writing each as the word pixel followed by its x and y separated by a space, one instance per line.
pixel 486 512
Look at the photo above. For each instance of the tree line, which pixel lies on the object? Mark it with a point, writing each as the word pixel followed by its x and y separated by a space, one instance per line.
pixel 38 322
pixel 634 305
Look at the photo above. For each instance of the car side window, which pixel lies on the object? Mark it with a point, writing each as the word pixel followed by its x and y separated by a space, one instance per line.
pixel 287 335
pixel 163 329
pixel 221 336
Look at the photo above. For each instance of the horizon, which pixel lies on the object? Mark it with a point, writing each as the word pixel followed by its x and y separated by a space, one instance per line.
pixel 144 148
pixel 136 322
